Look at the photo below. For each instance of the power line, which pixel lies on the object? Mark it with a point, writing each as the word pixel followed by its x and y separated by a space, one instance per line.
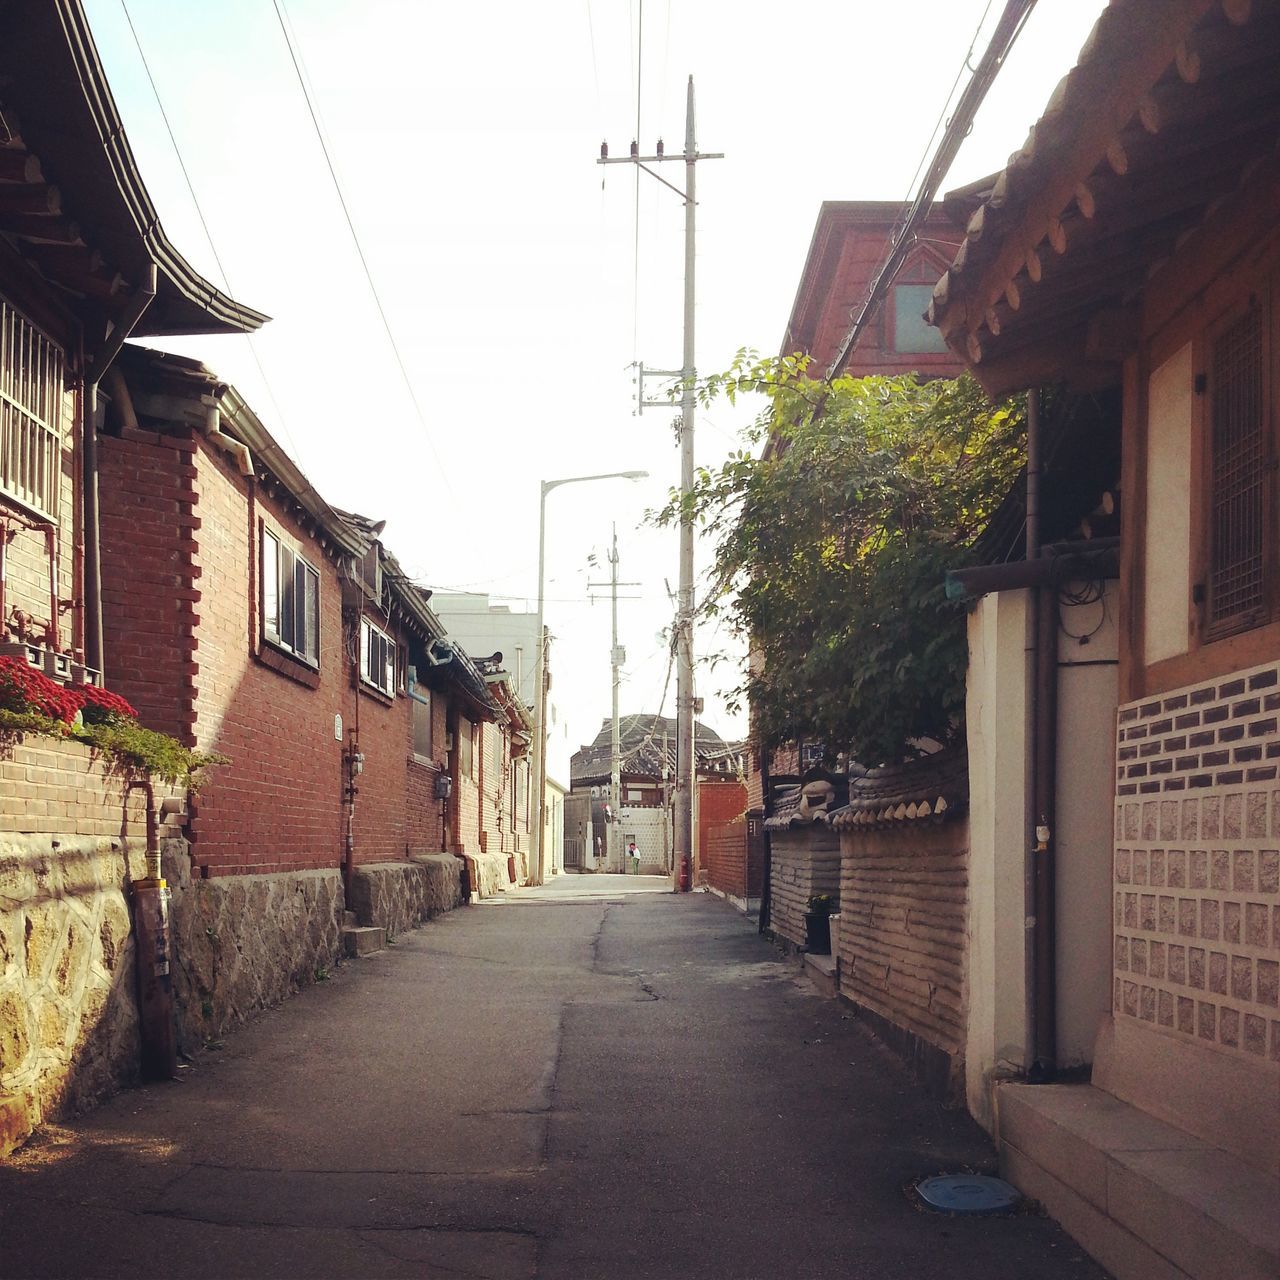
pixel 294 57
pixel 208 235
pixel 1011 22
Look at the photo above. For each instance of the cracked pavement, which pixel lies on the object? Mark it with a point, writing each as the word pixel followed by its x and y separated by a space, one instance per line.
pixel 587 1080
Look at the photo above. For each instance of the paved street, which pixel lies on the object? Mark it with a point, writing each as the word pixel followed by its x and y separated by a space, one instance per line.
pixel 597 1079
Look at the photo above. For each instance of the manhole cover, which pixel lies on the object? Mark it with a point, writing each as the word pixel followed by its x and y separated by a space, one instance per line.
pixel 968 1193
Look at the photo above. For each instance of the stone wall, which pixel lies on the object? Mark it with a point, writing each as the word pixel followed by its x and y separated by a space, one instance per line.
pixel 399 896
pixel 805 861
pixel 244 943
pixel 69 846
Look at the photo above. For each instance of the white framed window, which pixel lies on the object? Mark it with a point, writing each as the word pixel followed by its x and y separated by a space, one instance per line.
pixel 31 384
pixel 290 600
pixel 377 658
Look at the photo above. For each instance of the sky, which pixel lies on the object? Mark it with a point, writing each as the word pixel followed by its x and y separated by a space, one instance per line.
pixel 520 280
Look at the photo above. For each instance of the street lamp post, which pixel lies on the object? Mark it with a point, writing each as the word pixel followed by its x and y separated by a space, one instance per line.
pixel 540 667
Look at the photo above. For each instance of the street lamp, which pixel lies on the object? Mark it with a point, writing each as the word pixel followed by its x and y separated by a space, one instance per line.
pixel 540 667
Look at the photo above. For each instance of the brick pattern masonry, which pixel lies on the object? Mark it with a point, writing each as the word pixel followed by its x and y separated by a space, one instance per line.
pixel 1197 863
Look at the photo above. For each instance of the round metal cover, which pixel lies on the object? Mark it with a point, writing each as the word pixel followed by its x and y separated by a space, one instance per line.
pixel 968 1193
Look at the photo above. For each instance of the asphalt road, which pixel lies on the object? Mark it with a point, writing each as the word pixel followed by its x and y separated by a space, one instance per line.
pixel 587 1081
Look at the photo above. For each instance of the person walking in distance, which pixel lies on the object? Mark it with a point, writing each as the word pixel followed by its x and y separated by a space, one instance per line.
pixel 633 858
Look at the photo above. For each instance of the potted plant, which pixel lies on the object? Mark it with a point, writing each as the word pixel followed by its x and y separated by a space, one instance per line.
pixel 817 924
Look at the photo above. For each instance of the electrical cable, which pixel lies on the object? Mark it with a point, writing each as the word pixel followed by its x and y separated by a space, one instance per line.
pixel 294 56
pixel 208 235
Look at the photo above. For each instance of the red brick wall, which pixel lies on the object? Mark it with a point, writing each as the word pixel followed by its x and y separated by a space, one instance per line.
pixel 278 805
pixel 725 857
pixel 424 825
pixel 718 803
pixel 147 519
pixel 386 739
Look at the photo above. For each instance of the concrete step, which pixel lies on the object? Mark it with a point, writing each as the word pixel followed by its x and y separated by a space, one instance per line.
pixel 821 971
pixel 363 940
pixel 1148 1201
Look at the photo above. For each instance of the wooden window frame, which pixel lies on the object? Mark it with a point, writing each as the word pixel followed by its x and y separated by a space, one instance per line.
pixel 32 429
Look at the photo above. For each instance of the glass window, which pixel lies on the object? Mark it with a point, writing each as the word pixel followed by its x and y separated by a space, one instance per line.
pixel 290 600
pixel 31 384
pixel 377 658
pixel 912 334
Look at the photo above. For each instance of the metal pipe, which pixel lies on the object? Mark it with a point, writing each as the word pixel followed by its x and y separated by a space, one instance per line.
pixel 1044 729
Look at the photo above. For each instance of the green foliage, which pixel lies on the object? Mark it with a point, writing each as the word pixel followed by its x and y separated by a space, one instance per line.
pixel 123 742
pixel 831 550
pixel 821 904
pixel 132 748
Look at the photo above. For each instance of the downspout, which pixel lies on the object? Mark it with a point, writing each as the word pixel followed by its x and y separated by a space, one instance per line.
pixel 228 444
pixel 1044 728
pixel 100 363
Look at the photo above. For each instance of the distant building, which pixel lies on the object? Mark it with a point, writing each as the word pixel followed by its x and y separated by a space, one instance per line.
pixel 648 759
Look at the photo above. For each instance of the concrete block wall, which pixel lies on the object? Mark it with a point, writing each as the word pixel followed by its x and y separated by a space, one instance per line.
pixel 805 861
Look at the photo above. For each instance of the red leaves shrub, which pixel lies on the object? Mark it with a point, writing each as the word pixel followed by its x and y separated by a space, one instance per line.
pixel 23 689
pixel 98 705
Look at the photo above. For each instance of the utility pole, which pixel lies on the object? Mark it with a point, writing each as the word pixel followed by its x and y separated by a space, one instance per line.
pixel 617 656
pixel 686 766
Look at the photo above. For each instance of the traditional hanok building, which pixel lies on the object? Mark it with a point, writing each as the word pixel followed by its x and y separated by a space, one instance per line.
pixel 84 265
pixel 1131 248
pixel 648 764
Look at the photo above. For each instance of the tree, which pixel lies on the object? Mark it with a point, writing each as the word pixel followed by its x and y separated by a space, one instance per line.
pixel 831 549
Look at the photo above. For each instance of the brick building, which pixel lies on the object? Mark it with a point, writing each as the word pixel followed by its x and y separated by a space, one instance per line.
pixel 84 263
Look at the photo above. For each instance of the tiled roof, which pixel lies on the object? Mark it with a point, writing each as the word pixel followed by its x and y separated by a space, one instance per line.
pixel 934 788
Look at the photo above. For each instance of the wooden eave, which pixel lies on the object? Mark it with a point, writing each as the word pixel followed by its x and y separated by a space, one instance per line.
pixel 72 200
pixel 1169 110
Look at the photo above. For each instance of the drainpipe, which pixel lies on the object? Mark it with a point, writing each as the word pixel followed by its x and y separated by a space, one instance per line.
pixel 228 444
pixel 98 366
pixel 151 929
pixel 1044 722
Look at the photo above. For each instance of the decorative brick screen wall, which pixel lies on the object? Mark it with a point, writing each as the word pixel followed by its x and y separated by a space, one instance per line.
pixel 1197 863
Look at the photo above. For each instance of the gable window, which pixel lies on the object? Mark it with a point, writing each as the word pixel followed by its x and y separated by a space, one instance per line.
pixel 912 334
pixel 1239 472
pixel 290 600
pixel 31 378
pixel 377 658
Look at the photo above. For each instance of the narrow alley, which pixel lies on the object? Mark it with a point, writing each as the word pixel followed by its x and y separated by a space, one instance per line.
pixel 593 1079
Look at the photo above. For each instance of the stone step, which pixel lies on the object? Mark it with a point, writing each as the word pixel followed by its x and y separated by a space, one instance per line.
pixel 821 971
pixel 350 920
pixel 1147 1200
pixel 363 940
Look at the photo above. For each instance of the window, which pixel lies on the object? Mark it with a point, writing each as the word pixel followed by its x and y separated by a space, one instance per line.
pixel 290 600
pixel 422 738
pixel 1240 462
pixel 912 334
pixel 466 747
pixel 377 658
pixel 31 377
